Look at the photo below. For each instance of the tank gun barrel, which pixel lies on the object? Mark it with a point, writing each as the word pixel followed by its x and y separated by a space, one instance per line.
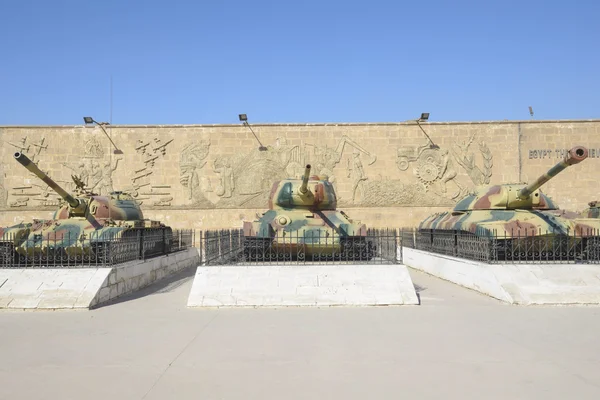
pixel 573 156
pixel 304 188
pixel 31 167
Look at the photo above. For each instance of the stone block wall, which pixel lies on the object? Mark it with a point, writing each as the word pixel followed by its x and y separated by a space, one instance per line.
pixel 215 176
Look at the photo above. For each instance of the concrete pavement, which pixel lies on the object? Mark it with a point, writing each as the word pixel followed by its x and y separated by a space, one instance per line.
pixel 457 344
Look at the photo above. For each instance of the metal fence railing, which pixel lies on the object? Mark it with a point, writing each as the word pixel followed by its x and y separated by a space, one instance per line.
pixel 231 247
pixel 518 247
pixel 72 249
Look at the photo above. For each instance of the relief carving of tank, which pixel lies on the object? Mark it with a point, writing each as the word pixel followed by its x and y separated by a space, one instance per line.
pixel 303 223
pixel 512 212
pixel 83 228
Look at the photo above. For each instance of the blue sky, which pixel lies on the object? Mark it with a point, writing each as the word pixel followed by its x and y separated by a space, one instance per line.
pixel 204 62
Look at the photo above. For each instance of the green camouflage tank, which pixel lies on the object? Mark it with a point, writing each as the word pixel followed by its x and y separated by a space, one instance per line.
pixel 302 221
pixel 80 227
pixel 515 210
pixel 593 210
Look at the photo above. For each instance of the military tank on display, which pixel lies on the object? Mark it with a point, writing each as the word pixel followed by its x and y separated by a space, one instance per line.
pixel 593 210
pixel 83 229
pixel 516 213
pixel 303 223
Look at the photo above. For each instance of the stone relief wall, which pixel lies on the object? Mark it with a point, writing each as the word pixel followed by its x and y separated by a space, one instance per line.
pixel 211 169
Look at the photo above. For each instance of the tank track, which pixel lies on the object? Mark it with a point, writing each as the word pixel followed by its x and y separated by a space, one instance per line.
pixel 352 249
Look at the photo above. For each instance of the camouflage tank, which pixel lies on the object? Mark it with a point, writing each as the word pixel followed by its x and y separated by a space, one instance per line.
pixel 593 210
pixel 81 228
pixel 304 223
pixel 510 212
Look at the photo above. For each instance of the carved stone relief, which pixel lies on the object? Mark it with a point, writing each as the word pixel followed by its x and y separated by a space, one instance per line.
pixel 30 147
pixel 434 169
pixel 95 168
pixel 21 194
pixel 395 192
pixel 245 179
pixel 426 175
pixel 151 151
pixel 3 191
pixel 466 159
pixel 192 160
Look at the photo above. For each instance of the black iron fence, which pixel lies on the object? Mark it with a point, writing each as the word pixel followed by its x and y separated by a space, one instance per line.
pixel 71 249
pixel 231 247
pixel 519 247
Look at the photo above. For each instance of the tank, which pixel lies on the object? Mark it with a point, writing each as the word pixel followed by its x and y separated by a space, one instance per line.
pixel 593 210
pixel 511 212
pixel 303 222
pixel 84 227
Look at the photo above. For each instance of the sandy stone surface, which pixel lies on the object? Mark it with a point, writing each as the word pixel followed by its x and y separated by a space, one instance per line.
pixel 214 176
pixel 457 344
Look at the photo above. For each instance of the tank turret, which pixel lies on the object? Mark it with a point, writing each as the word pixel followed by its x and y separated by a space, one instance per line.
pixel 117 206
pixel 593 210
pixel 302 215
pixel 84 227
pixel 513 196
pixel 308 192
pixel 515 210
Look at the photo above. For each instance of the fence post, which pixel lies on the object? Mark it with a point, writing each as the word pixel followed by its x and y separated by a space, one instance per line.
pixel 140 235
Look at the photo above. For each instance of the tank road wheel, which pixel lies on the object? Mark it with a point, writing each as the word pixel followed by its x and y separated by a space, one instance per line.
pixel 257 249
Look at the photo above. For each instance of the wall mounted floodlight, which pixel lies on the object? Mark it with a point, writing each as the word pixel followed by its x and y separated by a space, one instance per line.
pixel 425 117
pixel 90 120
pixel 244 119
pixel 531 111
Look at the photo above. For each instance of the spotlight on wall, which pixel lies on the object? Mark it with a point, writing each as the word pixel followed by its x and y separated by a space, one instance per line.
pixel 90 120
pixel 425 117
pixel 244 119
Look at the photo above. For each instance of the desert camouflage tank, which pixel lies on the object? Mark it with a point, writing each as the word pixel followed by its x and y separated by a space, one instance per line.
pixel 82 227
pixel 303 223
pixel 514 211
pixel 593 210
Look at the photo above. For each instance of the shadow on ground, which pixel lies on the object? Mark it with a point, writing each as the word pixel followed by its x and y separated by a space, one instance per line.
pixel 165 285
pixel 418 290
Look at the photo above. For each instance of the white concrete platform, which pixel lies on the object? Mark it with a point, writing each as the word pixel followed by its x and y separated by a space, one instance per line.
pixel 84 288
pixel 309 285
pixel 514 283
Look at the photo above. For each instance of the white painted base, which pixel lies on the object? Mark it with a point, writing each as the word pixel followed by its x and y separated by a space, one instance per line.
pixel 312 285
pixel 62 288
pixel 514 283
pixel 50 287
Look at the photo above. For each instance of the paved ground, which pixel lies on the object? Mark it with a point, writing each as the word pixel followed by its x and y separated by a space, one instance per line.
pixel 456 345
